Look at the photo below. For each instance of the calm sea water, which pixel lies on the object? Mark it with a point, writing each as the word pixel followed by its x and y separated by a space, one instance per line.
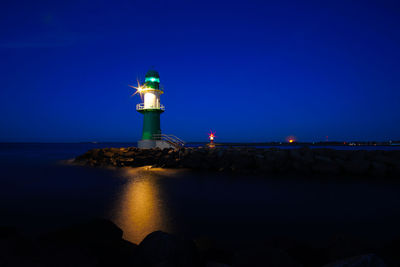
pixel 39 193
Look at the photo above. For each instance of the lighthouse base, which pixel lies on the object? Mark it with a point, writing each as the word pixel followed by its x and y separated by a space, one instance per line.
pixel 147 144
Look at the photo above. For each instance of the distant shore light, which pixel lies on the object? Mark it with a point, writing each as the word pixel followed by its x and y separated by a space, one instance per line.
pixel 291 139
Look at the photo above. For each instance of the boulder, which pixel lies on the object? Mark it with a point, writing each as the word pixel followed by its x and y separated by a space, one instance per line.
pixel 342 246
pixel 378 169
pixel 295 154
pixel 18 251
pixel 129 154
pixel 358 155
pixel 8 231
pixel 212 252
pixel 114 149
pixel 191 163
pixel 162 249
pixel 324 152
pixel 367 260
pixel 263 256
pixel 220 153
pixel 187 152
pixel 308 157
pixel 325 159
pixel 301 167
pixel 327 167
pixel 386 159
pixel 216 264
pixel 108 154
pixel 95 231
pixel 357 167
pixel 95 243
pixel 396 168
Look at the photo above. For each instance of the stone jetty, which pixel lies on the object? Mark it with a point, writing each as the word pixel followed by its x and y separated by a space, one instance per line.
pixel 307 161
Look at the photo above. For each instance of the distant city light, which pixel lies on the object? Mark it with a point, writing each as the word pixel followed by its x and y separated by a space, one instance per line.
pixel 291 139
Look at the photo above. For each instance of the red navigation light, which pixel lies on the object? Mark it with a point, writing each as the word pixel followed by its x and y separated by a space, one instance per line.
pixel 211 136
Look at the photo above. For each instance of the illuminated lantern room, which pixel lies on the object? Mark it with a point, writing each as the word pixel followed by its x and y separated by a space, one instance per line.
pixel 151 91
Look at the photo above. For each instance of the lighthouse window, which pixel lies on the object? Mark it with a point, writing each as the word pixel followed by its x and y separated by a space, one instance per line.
pixel 152 79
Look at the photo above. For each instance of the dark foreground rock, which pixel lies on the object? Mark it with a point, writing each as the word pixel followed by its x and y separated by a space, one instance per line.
pixel 369 260
pixel 263 256
pixel 305 161
pixel 100 243
pixel 162 249
pixel 95 243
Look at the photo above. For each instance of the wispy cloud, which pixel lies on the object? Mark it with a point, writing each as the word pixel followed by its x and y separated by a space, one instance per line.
pixel 30 44
pixel 45 41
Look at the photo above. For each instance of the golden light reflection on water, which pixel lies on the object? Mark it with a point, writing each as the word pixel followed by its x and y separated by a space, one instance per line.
pixel 140 209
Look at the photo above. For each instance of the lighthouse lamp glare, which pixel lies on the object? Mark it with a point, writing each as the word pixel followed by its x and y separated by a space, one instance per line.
pixel 139 89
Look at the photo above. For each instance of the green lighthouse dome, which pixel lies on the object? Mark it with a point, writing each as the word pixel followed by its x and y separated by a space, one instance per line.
pixel 152 74
pixel 152 79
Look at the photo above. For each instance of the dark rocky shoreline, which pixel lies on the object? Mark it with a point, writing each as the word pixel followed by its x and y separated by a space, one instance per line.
pixel 303 161
pixel 99 243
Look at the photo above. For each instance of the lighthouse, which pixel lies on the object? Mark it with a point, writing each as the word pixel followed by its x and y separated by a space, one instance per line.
pixel 151 108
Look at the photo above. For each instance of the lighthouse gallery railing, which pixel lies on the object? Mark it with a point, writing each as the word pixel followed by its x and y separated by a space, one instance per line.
pixel 141 107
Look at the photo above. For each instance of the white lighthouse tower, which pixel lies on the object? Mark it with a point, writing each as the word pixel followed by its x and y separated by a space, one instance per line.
pixel 151 108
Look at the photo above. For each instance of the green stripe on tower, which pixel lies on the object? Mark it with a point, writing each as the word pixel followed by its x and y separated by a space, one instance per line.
pixel 151 123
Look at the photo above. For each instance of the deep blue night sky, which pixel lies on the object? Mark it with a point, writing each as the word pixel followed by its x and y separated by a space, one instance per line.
pixel 249 70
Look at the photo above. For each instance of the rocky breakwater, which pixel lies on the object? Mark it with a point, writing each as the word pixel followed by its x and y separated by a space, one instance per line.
pixel 376 163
